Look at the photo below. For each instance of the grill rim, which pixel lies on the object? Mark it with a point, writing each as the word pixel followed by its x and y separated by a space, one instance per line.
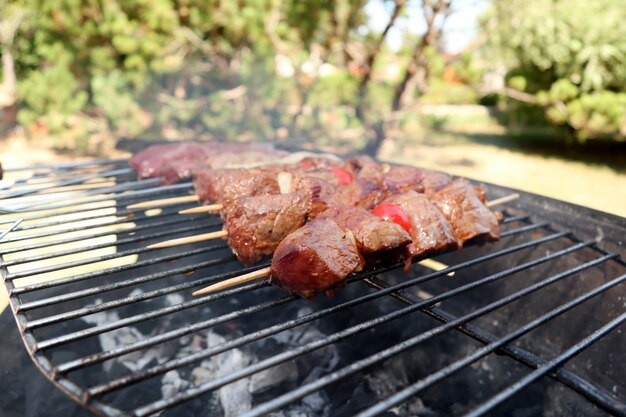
pixel 82 396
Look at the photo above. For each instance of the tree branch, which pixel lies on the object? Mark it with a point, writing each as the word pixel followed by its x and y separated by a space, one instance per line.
pixel 371 58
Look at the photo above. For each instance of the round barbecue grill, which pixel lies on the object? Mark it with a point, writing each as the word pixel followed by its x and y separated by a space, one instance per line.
pixel 530 325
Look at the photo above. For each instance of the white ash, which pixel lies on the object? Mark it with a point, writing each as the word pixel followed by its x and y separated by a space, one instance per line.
pixel 269 378
pixel 172 383
pixel 174 298
pixel 234 399
pixel 391 378
pixel 133 361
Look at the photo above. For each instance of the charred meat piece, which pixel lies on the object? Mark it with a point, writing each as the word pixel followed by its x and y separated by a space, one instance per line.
pixel 319 192
pixel 359 193
pixel 256 225
pixel 175 161
pixel 315 258
pixel 224 185
pixel 154 161
pixel 429 229
pixel 395 179
pixel 464 207
pixel 378 240
pixel 434 181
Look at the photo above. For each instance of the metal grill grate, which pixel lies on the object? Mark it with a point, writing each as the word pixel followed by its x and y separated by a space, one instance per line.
pixel 543 297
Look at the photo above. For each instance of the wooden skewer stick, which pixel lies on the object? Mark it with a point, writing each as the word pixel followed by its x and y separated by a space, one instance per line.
pixel 502 200
pixel 216 235
pixel 189 239
pixel 210 208
pixel 164 202
pixel 429 263
pixel 251 276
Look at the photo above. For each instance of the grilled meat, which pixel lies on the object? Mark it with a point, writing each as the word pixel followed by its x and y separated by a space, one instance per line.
pixel 394 179
pixel 315 258
pixel 224 185
pixel 378 240
pixel 324 252
pixel 429 229
pixel 256 225
pixel 175 161
pixel 463 205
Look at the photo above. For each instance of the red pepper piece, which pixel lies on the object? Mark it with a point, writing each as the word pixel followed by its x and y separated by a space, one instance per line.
pixel 343 176
pixel 393 213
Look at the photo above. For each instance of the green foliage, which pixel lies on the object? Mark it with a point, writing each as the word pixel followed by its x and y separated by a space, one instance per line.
pixel 152 65
pixel 570 54
pixel 51 95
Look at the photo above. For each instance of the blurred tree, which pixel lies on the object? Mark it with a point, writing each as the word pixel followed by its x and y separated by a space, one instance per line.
pixel 566 56
pixel 11 16
pixel 239 70
pixel 418 70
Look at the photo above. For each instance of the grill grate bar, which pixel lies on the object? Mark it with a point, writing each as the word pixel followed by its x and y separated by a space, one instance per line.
pixel 136 238
pixel 33 324
pixel 89 310
pixel 54 186
pixel 22 193
pixel 101 357
pixel 548 367
pixel 73 264
pixel 456 366
pixel 93 331
pixel 203 354
pixel 128 195
pixel 301 350
pixel 49 197
pixel 10 228
pixel 115 269
pixel 130 213
pixel 68 165
pixel 598 396
pixel 79 211
pixel 45 302
pixel 40 179
pixel 409 343
pixel 94 235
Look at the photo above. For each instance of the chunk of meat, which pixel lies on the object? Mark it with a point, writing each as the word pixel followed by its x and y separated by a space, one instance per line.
pixel 315 258
pixel 175 161
pixel 395 179
pixel 224 185
pixel 430 230
pixel 434 181
pixel 155 160
pixel 360 193
pixel 256 225
pixel 378 240
pixel 464 207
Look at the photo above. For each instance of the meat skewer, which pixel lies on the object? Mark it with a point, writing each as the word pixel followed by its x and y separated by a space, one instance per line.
pixel 253 202
pixel 303 245
pixel 175 161
pixel 418 228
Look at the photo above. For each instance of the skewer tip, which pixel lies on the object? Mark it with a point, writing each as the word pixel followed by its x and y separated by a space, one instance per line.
pixel 502 200
pixel 188 239
pixel 251 276
pixel 210 208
